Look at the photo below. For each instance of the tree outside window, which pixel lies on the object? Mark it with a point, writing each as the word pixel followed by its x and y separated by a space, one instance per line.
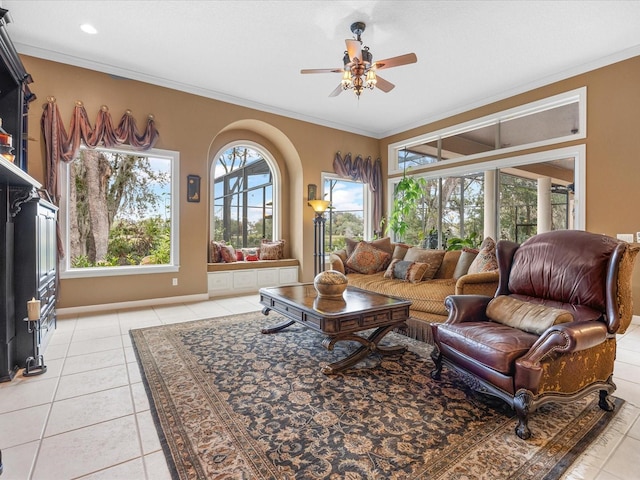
pixel 346 215
pixel 119 209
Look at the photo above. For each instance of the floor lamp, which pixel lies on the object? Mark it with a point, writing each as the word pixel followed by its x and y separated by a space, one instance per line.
pixel 319 207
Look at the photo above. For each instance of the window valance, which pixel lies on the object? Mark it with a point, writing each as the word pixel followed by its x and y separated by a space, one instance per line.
pixel 61 145
pixel 366 171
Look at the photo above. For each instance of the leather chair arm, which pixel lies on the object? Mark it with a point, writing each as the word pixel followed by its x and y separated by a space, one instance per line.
pixel 565 338
pixel 467 308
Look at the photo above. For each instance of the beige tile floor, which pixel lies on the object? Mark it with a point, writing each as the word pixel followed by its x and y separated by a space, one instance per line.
pixel 88 416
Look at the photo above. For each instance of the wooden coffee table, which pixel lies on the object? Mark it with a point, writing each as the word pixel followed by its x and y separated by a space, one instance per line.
pixel 339 319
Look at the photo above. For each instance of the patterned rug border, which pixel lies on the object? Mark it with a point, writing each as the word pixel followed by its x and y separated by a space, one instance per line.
pixel 599 427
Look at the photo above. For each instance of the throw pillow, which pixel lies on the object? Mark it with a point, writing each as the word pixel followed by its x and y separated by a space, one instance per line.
pixel 381 243
pixel 467 256
pixel 214 251
pixel 368 259
pixel 403 270
pixel 272 250
pixel 526 316
pixel 423 255
pixel 486 260
pixel 251 254
pixel 228 254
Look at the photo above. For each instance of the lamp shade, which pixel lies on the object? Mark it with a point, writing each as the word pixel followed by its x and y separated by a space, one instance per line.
pixel 319 206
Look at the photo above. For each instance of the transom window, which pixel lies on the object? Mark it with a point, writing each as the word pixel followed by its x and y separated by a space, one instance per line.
pixel 555 119
pixel 243 200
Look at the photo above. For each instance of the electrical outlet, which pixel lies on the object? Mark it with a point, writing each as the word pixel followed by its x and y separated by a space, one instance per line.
pixel 637 237
pixel 625 237
pixel 174 282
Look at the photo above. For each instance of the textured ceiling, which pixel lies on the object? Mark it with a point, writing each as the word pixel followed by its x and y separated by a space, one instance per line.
pixel 250 52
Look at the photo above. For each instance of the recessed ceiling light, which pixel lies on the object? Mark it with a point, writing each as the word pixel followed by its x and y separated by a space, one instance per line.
pixel 87 28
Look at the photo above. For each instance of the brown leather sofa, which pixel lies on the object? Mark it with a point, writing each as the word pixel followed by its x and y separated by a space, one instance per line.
pixel 549 333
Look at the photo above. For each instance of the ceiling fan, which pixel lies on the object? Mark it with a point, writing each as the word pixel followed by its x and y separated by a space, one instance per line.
pixel 359 71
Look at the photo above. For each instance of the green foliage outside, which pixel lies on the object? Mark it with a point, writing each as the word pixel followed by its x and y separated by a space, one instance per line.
pixel 116 210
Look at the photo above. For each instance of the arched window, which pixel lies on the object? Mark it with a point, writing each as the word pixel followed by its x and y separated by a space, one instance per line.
pixel 244 196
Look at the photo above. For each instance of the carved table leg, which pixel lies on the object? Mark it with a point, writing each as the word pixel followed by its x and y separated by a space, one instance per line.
pixel 277 327
pixel 369 345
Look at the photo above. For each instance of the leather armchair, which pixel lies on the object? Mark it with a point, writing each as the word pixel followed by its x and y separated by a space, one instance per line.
pixel 585 274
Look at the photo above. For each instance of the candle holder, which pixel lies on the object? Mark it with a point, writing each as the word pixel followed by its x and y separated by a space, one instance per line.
pixel 34 365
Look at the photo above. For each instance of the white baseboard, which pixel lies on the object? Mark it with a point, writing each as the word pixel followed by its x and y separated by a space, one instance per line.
pixel 108 307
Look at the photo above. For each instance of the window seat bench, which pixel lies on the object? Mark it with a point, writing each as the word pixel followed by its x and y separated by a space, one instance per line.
pixel 247 277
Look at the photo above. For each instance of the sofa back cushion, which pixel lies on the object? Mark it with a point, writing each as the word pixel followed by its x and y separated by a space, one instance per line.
pixel 467 256
pixel 449 264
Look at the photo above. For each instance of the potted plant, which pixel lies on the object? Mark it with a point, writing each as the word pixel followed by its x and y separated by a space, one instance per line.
pixel 406 195
pixel 470 241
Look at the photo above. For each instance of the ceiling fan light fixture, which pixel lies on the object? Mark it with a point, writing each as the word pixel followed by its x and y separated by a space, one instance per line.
pixel 359 71
pixel 346 79
pixel 371 79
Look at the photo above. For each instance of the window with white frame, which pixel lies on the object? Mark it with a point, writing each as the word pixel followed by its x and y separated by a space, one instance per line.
pixel 549 121
pixel 349 213
pixel 455 205
pixel 119 212
pixel 244 196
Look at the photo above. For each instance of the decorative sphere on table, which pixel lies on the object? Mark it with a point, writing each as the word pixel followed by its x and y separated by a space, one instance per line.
pixel 330 284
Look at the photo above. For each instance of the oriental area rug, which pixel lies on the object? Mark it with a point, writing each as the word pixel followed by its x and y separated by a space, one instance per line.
pixel 231 402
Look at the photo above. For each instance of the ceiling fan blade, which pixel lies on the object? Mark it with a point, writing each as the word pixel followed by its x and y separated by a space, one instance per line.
pixel 384 85
pixel 396 61
pixel 354 49
pixel 322 70
pixel 337 91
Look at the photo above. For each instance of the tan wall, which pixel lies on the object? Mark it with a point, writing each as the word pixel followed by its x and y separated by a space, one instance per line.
pixel 197 127
pixel 612 145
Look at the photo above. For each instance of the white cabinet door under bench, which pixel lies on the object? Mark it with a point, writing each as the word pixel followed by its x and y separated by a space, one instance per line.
pixel 246 277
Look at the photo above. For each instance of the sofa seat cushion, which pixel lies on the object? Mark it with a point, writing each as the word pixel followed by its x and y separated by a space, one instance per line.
pixel 426 296
pixel 494 345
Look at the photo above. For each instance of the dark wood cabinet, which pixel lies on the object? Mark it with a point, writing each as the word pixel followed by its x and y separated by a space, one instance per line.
pixel 34 271
pixel 27 225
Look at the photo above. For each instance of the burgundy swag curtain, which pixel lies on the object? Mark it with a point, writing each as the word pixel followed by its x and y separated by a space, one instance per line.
pixel 63 146
pixel 365 171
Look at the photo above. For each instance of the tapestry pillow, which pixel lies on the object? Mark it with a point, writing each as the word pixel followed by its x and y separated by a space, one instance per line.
pixel 272 250
pixel 214 251
pixel 486 260
pixel 368 259
pixel 228 253
pixel 381 243
pixel 467 256
pixel 423 255
pixel 251 254
pixel 529 317
pixel 403 270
